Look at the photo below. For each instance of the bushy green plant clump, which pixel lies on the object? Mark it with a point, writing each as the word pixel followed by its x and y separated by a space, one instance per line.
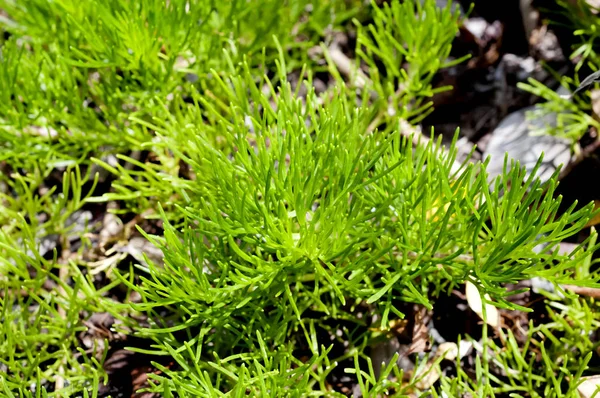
pixel 291 226
pixel 304 218
pixel 77 71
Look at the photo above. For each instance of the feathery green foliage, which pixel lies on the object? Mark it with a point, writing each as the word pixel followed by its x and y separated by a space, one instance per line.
pixel 303 217
pixel 292 227
pixel 412 41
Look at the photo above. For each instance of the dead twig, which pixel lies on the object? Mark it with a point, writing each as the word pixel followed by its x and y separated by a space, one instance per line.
pixel 583 291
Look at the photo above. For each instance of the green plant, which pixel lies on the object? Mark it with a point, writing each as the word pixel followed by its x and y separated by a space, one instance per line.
pixel 302 217
pixel 574 116
pixel 71 77
pixel 73 73
pixel 40 310
pixel 571 117
pixel 412 41
pixel 296 227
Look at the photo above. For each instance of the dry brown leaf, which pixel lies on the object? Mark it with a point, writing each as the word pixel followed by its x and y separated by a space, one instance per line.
pixel 420 338
pixel 475 303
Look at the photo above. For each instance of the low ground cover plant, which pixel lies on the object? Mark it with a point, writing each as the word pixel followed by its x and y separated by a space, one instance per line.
pixel 177 190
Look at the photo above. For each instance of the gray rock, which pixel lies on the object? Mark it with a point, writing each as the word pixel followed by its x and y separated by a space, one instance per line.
pixel 513 136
